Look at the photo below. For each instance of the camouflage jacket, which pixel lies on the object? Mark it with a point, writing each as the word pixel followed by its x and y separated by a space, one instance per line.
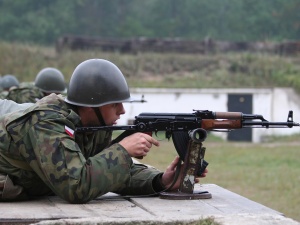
pixel 25 94
pixel 78 167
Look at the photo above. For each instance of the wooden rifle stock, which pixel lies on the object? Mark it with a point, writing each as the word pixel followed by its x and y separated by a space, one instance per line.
pixel 229 115
pixel 212 124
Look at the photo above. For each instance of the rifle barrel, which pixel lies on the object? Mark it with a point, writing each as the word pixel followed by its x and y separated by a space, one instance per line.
pixel 267 124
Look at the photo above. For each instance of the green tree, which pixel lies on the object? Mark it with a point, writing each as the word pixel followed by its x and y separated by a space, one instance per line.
pixel 43 21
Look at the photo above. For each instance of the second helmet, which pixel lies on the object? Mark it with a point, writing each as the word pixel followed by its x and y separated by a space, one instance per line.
pixel 50 80
pixel 9 81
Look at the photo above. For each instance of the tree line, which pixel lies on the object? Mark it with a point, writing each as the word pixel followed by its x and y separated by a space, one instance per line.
pixel 44 21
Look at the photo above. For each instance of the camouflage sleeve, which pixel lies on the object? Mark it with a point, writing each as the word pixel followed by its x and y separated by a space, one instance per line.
pixel 141 181
pixel 24 95
pixel 59 162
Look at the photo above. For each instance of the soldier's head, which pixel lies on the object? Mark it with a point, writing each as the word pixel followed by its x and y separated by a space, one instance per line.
pixel 100 85
pixel 9 81
pixel 50 80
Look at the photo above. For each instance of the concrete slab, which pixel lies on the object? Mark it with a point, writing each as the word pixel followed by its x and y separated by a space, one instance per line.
pixel 225 207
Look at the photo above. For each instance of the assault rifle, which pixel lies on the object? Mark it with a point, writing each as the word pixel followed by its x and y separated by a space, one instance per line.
pixel 185 126
pixel 188 131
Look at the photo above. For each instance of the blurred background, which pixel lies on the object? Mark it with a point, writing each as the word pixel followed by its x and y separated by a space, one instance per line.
pixel 44 21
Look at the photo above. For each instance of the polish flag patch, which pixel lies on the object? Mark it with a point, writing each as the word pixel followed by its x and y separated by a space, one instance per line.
pixel 69 131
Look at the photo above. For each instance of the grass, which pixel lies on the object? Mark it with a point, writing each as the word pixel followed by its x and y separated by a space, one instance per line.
pixel 268 173
pixel 231 70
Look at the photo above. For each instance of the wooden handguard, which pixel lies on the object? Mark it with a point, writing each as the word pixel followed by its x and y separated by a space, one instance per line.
pixel 229 115
pixel 211 124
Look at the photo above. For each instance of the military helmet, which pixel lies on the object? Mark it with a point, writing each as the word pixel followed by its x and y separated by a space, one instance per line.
pixel 50 80
pixel 9 81
pixel 97 82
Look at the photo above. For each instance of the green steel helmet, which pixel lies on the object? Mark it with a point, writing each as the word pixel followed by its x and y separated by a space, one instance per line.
pixel 50 80
pixel 9 81
pixel 97 82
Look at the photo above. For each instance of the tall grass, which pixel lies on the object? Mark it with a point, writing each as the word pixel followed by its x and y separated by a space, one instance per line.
pixel 268 173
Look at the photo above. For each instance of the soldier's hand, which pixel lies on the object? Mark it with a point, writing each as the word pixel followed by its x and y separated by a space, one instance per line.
pixel 169 175
pixel 138 144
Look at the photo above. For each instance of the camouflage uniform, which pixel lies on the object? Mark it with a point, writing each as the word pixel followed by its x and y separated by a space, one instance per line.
pixel 25 94
pixel 41 157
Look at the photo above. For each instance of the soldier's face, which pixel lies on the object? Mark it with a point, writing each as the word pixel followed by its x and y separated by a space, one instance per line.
pixel 111 113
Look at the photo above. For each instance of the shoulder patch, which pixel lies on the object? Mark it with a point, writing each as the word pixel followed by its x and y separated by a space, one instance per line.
pixel 69 131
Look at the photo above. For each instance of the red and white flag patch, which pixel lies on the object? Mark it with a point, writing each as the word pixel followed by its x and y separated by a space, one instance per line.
pixel 69 131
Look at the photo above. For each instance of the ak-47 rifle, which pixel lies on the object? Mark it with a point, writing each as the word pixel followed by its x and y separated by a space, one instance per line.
pixel 185 126
pixel 188 131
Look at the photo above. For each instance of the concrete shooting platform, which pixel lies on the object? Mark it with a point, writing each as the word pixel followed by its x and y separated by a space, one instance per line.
pixel 225 207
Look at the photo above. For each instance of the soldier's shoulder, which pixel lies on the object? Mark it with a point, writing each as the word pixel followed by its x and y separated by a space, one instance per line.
pixel 26 85
pixel 18 90
pixel 52 101
pixel 25 94
pixel 56 104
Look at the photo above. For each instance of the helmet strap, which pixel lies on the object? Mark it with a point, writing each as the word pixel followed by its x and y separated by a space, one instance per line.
pixel 98 114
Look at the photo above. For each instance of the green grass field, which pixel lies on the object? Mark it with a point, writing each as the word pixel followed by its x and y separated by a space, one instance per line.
pixel 176 70
pixel 268 173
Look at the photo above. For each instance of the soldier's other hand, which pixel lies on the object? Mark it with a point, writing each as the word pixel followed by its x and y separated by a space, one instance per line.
pixel 169 175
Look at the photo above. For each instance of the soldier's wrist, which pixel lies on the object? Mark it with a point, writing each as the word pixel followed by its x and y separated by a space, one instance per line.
pixel 157 183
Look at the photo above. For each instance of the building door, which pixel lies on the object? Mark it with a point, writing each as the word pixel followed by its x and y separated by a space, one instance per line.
pixel 240 103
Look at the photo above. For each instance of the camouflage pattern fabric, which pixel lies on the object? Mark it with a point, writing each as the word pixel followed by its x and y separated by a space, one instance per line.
pixel 4 93
pixel 9 191
pixel 25 94
pixel 77 167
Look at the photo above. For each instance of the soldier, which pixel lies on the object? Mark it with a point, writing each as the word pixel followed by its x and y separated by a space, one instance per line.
pixel 48 80
pixel 8 82
pixel 42 155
